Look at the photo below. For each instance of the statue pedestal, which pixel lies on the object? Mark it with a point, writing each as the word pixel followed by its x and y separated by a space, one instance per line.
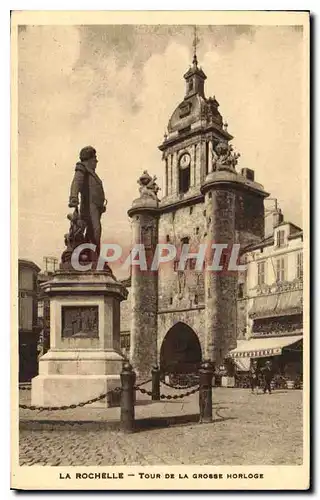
pixel 84 359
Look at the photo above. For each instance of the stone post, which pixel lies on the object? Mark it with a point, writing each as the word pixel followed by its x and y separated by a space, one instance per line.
pixel 205 392
pixel 155 383
pixel 128 378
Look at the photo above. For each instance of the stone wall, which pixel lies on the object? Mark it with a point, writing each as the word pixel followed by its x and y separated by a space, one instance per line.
pixel 181 289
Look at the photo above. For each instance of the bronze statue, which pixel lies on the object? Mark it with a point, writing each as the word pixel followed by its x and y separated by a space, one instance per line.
pixel 93 203
pixel 85 222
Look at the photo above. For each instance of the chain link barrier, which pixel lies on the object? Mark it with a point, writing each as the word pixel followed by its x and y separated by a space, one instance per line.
pixel 68 407
pixel 73 406
pixel 179 387
pixel 168 396
pixel 144 383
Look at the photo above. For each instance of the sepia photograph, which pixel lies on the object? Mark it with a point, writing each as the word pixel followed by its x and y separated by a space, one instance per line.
pixel 160 250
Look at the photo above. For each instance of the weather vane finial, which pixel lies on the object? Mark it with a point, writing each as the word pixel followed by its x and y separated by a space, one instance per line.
pixel 195 43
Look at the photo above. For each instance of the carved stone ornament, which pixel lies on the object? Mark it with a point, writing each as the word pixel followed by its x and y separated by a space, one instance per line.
pixel 148 186
pixel 224 157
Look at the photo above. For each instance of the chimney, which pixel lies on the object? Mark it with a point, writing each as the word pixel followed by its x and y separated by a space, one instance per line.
pixel 277 217
pixel 248 173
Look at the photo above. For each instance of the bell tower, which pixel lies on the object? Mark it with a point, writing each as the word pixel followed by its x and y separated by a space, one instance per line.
pixel 194 129
pixel 206 200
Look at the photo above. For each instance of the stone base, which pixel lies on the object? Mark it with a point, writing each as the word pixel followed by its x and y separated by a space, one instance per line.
pixel 59 390
pixel 72 377
pixel 84 360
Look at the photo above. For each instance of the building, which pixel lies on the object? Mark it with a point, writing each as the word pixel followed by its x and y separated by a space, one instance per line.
pixel 50 266
pixel 179 317
pixel 28 319
pixel 270 302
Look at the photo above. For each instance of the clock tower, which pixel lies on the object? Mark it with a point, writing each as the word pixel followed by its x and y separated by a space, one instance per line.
pixel 194 129
pixel 189 314
pixel 206 200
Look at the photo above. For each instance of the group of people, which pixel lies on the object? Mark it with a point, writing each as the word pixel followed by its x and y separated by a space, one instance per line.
pixel 265 374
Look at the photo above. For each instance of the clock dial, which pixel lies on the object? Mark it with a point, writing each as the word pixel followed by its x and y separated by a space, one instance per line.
pixel 185 160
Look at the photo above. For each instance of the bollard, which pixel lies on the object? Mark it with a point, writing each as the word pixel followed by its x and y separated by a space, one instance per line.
pixel 205 392
pixel 155 372
pixel 128 378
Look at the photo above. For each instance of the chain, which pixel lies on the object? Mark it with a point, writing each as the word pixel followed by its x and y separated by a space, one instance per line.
pixel 67 407
pixel 145 382
pixel 169 396
pixel 179 387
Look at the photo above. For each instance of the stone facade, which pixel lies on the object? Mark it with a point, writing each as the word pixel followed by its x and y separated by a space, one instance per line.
pixel 205 201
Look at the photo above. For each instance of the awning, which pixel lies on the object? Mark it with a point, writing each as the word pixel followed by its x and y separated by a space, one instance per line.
pixel 262 348
pixel 278 304
pixel 242 364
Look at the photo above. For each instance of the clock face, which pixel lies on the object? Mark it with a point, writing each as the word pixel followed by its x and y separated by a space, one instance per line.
pixel 185 160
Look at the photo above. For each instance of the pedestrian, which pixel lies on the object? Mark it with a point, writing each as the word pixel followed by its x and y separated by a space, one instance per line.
pixel 267 377
pixel 254 377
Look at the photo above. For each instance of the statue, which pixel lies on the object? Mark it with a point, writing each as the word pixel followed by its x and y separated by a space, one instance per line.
pixel 224 157
pixel 85 222
pixel 148 186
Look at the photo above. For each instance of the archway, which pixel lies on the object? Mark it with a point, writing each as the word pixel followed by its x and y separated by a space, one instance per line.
pixel 180 350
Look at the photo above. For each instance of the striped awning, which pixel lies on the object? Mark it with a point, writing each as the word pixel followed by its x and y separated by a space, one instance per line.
pixel 242 364
pixel 262 348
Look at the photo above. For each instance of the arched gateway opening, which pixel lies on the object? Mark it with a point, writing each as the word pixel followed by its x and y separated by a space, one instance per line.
pixel 180 351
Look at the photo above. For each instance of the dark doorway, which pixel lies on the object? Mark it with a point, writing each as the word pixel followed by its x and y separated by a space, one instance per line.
pixel 180 351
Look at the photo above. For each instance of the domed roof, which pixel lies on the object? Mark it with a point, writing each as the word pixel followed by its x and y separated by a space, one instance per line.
pixel 189 111
pixel 195 108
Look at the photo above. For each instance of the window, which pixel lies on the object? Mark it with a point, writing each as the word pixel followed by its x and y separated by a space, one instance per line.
pixel 240 290
pixel 26 313
pixel 261 273
pixel 280 238
pixel 125 340
pixel 280 269
pixel 300 265
pixel 40 308
pixel 184 179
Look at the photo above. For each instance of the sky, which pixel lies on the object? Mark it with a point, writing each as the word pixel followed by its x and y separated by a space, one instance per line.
pixel 115 87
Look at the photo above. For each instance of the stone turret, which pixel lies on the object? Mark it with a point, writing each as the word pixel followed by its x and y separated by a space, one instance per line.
pixel 144 283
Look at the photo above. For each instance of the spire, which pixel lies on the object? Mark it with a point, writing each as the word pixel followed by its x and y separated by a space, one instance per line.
pixel 194 77
pixel 195 43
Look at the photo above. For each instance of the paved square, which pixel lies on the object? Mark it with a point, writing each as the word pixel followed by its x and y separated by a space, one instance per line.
pixel 247 430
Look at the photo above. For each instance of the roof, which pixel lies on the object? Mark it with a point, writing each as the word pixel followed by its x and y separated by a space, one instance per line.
pixel 295 232
pixel 28 263
pixel 293 227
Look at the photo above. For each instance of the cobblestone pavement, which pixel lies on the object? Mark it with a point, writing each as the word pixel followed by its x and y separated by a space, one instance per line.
pixel 247 430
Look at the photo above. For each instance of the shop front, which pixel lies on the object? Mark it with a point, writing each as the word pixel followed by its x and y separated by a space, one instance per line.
pixel 285 354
